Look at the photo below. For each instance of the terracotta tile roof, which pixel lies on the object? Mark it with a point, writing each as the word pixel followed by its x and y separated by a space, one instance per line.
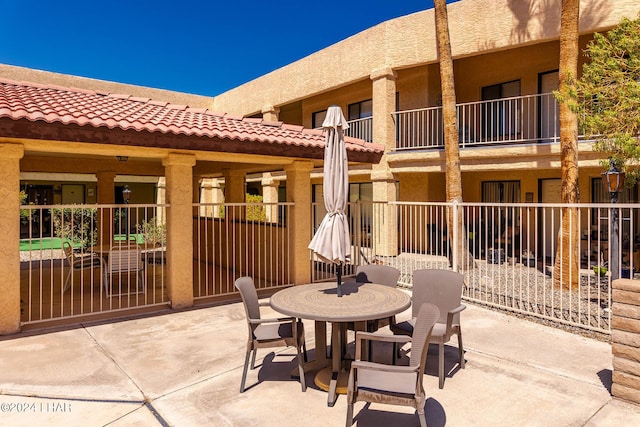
pixel 54 104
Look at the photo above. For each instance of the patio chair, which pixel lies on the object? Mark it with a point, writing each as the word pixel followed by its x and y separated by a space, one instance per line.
pixel 268 333
pixel 442 288
pixel 75 262
pixel 392 384
pixel 381 275
pixel 123 261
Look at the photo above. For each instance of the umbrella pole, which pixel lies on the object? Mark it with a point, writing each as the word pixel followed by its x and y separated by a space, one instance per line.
pixel 339 277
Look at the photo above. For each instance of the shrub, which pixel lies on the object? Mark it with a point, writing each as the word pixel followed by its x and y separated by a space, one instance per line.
pixel 153 232
pixel 76 225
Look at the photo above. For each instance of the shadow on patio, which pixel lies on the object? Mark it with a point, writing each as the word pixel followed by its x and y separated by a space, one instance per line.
pixel 184 368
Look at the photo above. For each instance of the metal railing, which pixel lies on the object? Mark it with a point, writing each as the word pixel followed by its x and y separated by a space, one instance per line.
pixel 510 253
pixel 520 119
pixel 361 128
pixel 240 239
pixel 56 283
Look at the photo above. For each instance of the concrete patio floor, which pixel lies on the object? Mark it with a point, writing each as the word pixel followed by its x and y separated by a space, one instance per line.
pixel 184 368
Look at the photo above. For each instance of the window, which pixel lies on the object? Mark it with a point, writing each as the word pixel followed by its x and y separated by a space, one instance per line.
pixel 360 110
pixel 599 194
pixel 317 118
pixel 496 219
pixel 501 191
pixel 501 116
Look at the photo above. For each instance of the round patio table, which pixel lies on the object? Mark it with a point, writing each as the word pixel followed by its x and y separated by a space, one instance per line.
pixel 359 303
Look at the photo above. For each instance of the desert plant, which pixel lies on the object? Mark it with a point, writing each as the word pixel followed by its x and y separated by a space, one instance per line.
pixel 24 213
pixel 76 225
pixel 255 211
pixel 153 232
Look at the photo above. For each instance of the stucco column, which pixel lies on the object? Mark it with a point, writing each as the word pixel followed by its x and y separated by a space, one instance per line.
pixel 217 195
pixel 179 196
pixel 234 188
pixel 270 195
pixel 196 192
pixel 299 220
pixel 270 113
pixel 384 104
pixel 161 199
pixel 625 340
pixel 234 192
pixel 384 217
pixel 10 155
pixel 106 196
pixel 208 189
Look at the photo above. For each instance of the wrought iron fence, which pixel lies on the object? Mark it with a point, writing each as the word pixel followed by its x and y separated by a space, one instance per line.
pixel 71 260
pixel 509 253
pixel 241 239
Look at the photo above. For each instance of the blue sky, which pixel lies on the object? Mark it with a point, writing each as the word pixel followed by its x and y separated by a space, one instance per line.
pixel 195 46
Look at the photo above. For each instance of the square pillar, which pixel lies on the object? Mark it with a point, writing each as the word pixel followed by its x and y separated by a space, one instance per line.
pixel 234 192
pixel 270 113
pixel 625 340
pixel 211 192
pixel 10 155
pixel 106 196
pixel 270 196
pixel 234 186
pixel 384 217
pixel 179 196
pixel 299 220
pixel 384 105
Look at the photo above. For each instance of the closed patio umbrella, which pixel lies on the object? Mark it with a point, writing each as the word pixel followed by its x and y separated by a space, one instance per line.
pixel 331 241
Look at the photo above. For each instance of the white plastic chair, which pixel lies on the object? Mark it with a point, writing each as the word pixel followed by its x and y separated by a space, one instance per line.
pixel 122 262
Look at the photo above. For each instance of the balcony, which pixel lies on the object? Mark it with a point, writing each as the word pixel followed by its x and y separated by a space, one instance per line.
pixel 517 120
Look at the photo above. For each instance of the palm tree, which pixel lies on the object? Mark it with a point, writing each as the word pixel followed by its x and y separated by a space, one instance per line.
pixel 566 268
pixel 452 149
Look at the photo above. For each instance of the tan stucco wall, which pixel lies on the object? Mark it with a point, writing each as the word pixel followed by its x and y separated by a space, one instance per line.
pixel 475 27
pixel 419 187
pixel 357 92
pixel 10 155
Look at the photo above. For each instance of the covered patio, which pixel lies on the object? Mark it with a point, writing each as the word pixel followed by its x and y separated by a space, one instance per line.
pixel 53 131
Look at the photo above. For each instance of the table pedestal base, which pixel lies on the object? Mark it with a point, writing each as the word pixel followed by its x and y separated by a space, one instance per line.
pixel 325 381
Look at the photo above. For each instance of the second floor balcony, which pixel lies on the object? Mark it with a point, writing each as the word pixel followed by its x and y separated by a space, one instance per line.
pixel 515 120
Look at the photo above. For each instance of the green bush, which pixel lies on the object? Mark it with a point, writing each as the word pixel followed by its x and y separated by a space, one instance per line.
pixel 153 232
pixel 24 213
pixel 76 225
pixel 256 212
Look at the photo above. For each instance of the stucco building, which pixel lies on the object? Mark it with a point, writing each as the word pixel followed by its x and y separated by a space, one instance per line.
pixel 385 78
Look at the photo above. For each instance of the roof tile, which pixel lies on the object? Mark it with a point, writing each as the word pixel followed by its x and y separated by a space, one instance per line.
pixel 49 103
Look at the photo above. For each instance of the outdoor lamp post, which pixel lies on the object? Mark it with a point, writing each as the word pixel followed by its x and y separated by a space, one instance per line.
pixel 126 196
pixel 613 181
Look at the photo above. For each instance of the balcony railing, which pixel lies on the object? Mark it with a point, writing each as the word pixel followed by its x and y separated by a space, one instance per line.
pixel 361 128
pixel 521 119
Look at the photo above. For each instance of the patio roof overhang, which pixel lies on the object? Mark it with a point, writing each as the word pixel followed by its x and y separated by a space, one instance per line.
pixel 73 123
